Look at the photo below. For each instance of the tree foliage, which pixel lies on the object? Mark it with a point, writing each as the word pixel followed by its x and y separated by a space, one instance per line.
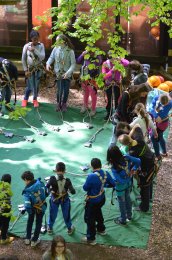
pixel 87 27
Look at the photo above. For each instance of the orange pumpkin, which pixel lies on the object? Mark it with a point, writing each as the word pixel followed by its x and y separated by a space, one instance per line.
pixel 169 83
pixel 162 79
pixel 154 81
pixel 164 87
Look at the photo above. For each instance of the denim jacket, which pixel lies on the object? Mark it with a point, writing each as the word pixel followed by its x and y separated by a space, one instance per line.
pixel 63 59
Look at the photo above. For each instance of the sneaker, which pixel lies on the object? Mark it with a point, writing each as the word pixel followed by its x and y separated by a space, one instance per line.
pixel 64 107
pixel 35 243
pixel 58 107
pixel 102 233
pixel 92 113
pixel 35 103
pixel 27 242
pixel 49 231
pixel 24 103
pixel 128 219
pixel 119 222
pixel 164 154
pixel 70 231
pixel 89 242
pixel 9 108
pixel 6 241
pixel 83 110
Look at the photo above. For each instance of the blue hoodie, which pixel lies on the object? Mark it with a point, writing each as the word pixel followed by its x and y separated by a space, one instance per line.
pixel 94 186
pixel 164 110
pixel 34 194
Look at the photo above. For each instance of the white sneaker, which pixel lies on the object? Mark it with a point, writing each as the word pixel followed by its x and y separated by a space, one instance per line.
pixel 89 242
pixel 92 113
pixel 35 243
pixel 83 110
pixel 27 242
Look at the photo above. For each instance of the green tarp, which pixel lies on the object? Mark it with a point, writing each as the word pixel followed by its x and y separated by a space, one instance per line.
pixel 17 156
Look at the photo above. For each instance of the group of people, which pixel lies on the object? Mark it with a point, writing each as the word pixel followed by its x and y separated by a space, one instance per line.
pixel 130 154
pixel 62 64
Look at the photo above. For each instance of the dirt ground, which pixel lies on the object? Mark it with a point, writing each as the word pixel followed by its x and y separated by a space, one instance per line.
pixel 160 240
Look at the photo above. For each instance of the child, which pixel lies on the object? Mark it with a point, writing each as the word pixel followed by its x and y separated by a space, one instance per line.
pixel 58 250
pixel 129 99
pixel 8 74
pixel 123 167
pixel 89 86
pixel 32 56
pixel 145 121
pixel 138 148
pixel 63 58
pixel 161 106
pixel 95 199
pixel 112 79
pixel 5 208
pixel 34 200
pixel 59 187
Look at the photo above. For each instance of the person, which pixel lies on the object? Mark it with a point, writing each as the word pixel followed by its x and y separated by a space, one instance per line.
pixel 145 122
pixel 8 76
pixel 138 148
pixel 123 168
pixel 137 72
pixel 95 199
pixel 161 106
pixel 59 187
pixel 58 250
pixel 89 86
pixel 34 195
pixel 112 78
pixel 5 208
pixel 129 99
pixel 64 61
pixel 32 60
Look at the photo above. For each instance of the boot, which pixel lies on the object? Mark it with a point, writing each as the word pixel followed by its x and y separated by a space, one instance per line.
pixel 24 103
pixel 35 103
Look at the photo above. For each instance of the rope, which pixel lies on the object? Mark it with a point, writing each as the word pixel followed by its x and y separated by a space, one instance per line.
pixel 53 128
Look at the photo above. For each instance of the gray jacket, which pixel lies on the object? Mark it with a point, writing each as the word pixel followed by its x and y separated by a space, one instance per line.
pixel 32 59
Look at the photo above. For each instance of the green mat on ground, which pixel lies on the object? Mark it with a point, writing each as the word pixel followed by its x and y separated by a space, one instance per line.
pixel 17 156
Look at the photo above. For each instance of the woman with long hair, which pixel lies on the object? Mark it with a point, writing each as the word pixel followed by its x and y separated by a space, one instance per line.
pixel 58 250
pixel 63 58
pixel 129 99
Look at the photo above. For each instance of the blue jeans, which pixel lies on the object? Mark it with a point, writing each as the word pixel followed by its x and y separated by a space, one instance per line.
pixel 65 206
pixel 32 85
pixel 159 143
pixel 39 217
pixel 125 205
pixel 62 90
pixel 5 93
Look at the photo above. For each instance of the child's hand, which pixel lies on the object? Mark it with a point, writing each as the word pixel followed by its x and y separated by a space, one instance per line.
pixel 158 119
